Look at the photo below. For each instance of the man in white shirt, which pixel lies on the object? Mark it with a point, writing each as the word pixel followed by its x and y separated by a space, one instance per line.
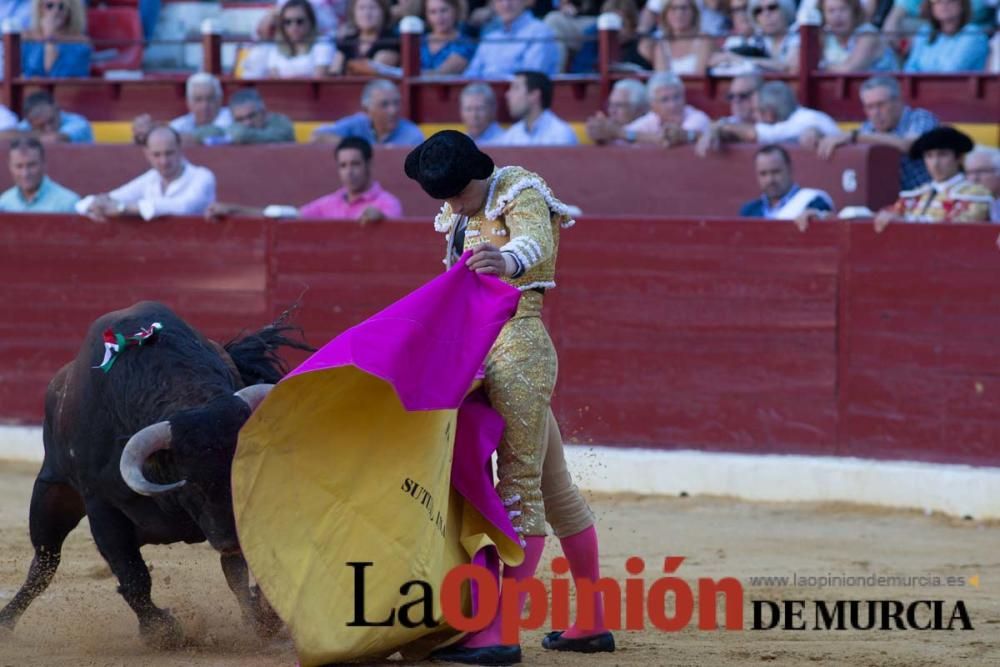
pixel 203 93
pixel 172 187
pixel 528 100
pixel 780 120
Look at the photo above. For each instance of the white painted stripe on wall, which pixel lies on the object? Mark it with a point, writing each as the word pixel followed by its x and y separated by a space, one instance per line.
pixel 958 490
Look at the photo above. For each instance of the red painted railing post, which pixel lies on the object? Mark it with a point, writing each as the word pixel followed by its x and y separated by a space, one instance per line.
pixel 810 52
pixel 609 25
pixel 12 68
pixel 411 30
pixel 211 48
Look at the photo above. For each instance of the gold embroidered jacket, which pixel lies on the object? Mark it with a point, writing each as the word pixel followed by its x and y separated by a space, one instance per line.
pixel 522 217
pixel 955 200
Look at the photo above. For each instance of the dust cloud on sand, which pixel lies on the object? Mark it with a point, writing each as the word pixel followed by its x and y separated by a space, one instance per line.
pixel 82 622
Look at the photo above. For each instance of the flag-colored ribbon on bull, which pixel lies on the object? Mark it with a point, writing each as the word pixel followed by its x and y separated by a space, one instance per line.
pixel 115 343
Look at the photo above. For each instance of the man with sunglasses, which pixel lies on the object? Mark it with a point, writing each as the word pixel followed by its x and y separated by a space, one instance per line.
pixel 740 96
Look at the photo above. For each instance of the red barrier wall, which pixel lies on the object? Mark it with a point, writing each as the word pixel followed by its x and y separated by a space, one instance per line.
pixel 601 181
pixel 728 335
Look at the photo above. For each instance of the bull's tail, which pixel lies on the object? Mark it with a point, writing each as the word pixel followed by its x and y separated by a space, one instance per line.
pixel 256 354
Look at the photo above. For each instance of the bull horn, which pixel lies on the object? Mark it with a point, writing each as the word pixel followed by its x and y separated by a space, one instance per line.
pixel 140 447
pixel 255 394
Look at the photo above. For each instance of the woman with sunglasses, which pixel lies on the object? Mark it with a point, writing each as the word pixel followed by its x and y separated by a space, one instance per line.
pixel 56 45
pixel 369 45
pixel 774 20
pixel 297 51
pixel 682 49
pixel 850 44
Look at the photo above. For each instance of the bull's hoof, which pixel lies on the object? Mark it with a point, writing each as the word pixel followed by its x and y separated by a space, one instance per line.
pixel 161 631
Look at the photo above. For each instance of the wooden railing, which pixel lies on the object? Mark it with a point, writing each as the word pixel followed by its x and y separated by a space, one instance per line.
pixel 968 97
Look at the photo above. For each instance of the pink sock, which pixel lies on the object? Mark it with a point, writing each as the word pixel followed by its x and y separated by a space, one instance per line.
pixel 584 563
pixel 490 635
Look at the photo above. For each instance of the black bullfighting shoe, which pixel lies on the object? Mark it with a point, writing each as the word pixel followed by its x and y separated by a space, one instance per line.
pixel 601 643
pixel 486 655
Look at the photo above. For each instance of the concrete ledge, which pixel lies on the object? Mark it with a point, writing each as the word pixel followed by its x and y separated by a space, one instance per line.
pixel 957 490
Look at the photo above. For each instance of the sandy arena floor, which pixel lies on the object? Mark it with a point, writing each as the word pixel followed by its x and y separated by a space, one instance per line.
pixel 82 622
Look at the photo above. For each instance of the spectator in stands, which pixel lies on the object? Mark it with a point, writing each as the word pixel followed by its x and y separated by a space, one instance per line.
pixel 329 15
pixel 529 99
pixel 741 98
pixel 982 166
pixel 33 191
pixel 378 123
pixel 742 46
pixel 949 197
pixel 949 42
pixel 368 47
pixel 172 186
pixel 360 198
pixel 444 49
pixel 629 57
pixel 715 16
pixel 203 93
pixel 298 49
pixel 781 198
pixel 889 123
pixel 253 123
pixel 478 108
pixel 626 103
pixel 773 19
pixel 44 120
pixel 850 43
pixel 780 119
pixel 670 120
pixel 678 46
pixel 56 45
pixel 514 41
pixel 906 17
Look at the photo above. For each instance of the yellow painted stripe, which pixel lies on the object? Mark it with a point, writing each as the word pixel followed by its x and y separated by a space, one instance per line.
pixel 119 132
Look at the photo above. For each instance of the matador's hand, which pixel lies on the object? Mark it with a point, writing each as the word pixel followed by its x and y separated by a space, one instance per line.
pixel 488 259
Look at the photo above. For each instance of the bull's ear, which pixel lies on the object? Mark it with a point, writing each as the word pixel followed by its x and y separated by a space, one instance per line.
pixel 255 394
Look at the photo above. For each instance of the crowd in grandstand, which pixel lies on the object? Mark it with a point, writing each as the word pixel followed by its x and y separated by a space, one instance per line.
pixel 526 44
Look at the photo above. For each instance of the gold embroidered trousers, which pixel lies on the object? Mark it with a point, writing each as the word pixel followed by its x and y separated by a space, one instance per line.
pixel 521 374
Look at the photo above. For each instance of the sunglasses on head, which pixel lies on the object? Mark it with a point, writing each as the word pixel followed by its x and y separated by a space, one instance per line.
pixel 295 21
pixel 760 9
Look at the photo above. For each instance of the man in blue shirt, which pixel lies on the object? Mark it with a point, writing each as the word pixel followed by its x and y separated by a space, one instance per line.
pixel 781 198
pixel 478 109
pixel 44 119
pixel 528 100
pixel 889 123
pixel 33 191
pixel 379 122
pixel 515 40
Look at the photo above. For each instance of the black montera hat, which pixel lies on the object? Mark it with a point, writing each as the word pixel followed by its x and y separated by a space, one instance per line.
pixel 446 163
pixel 943 136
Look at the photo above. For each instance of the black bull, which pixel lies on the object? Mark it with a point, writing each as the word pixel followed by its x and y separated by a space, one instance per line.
pixel 145 452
